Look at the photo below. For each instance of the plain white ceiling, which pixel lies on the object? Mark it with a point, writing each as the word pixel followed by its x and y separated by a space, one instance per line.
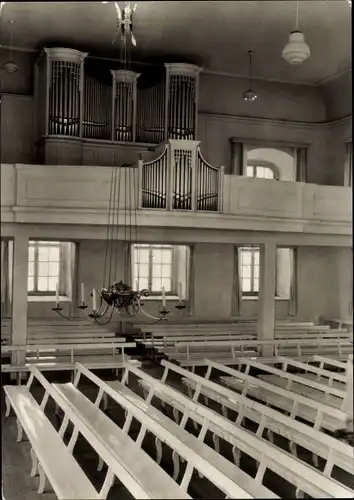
pixel 214 34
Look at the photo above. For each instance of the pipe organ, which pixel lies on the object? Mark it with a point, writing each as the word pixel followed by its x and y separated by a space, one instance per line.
pixel 72 100
pixel 83 106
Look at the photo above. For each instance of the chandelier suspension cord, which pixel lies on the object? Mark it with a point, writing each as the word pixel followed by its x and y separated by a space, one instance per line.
pixel 297 16
pixel 116 225
pixel 107 232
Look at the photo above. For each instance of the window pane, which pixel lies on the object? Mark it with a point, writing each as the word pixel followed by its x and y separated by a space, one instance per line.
pixel 166 271
pixel 256 272
pixel 246 271
pixel 256 257
pixel 166 283
pixel 52 284
pixel 156 271
pixel 249 171
pixel 43 254
pixel 246 257
pixel 42 284
pixel 255 285
pixel 31 253
pixel 246 285
pixel 260 172
pixel 54 254
pixel 156 285
pixel 30 284
pixel 143 284
pixel 269 173
pixel 31 269
pixel 143 271
pixel 167 256
pixel 53 269
pixel 142 255
pixel 43 269
pixel 157 256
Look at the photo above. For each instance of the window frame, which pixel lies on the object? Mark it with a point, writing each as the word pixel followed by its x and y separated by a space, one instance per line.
pixel 36 244
pixel 253 249
pixel 174 267
pixel 261 163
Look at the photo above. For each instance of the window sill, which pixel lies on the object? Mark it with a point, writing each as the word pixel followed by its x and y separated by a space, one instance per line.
pixel 256 298
pixel 47 298
pixel 159 298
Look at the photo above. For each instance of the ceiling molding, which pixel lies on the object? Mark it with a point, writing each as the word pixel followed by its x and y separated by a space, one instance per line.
pixel 19 49
pixel 334 76
pixel 256 78
pixel 275 123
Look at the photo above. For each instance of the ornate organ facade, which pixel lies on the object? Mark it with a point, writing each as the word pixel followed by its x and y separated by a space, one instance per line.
pixel 90 114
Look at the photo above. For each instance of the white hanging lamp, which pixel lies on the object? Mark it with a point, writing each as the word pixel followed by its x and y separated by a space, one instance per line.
pixel 296 51
pixel 10 66
pixel 250 95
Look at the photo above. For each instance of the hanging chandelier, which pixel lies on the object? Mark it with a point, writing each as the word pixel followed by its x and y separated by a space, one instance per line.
pixel 296 51
pixel 10 66
pixel 115 296
pixel 250 95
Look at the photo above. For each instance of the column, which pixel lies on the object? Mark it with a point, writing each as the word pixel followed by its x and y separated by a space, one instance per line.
pixel 266 311
pixel 237 157
pixel 349 398
pixel 19 294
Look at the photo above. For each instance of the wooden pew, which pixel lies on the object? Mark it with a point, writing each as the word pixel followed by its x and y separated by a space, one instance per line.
pixel 123 457
pixel 330 362
pixel 274 422
pixel 55 361
pixel 319 414
pixel 320 374
pixel 293 382
pixel 51 458
pixel 232 482
pixel 227 352
pixel 303 477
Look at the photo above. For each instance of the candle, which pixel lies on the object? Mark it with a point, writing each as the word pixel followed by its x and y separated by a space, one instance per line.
pixel 94 304
pixel 57 294
pixel 82 293
pixel 163 297
pixel 179 293
pixel 137 285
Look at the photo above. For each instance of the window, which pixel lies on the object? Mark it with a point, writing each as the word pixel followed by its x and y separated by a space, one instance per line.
pixel 262 172
pixel 250 270
pixel 154 268
pixel 44 267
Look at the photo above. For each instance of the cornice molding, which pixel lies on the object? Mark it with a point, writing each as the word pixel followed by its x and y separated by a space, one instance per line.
pixel 273 122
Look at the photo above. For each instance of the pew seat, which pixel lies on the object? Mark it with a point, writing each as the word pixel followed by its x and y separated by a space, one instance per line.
pixel 51 458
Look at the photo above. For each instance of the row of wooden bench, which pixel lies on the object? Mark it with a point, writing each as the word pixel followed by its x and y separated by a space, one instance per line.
pixel 139 473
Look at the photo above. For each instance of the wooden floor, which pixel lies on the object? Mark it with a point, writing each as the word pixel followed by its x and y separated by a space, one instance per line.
pixel 16 463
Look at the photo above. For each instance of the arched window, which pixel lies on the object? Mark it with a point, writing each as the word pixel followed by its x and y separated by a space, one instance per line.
pixel 262 170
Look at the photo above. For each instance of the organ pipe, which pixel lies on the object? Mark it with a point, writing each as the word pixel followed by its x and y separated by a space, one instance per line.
pixel 182 81
pixel 124 97
pixel 64 83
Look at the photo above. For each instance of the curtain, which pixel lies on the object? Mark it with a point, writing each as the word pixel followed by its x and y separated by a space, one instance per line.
pixel 4 278
pixel 348 166
pixel 301 164
pixel 237 155
pixel 237 288
pixel 293 283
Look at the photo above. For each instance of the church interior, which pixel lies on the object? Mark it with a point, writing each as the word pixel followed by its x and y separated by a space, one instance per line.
pixel 176 250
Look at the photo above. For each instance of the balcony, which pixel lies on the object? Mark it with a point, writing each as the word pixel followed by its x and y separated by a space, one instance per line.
pixel 176 189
